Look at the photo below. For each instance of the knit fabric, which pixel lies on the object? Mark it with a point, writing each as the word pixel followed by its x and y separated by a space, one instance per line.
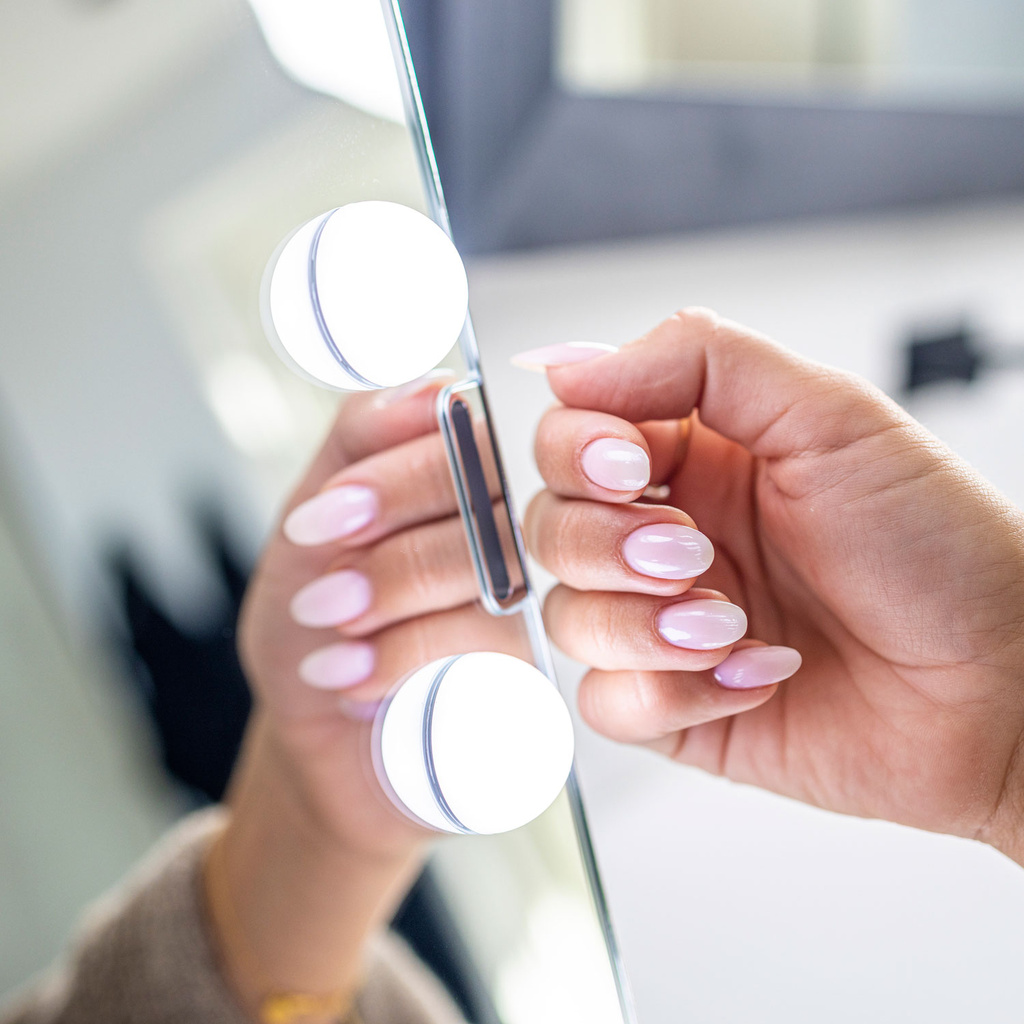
pixel 144 956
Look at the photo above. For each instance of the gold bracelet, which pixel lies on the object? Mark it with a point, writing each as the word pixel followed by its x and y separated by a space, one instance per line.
pixel 289 1007
pixel 276 1007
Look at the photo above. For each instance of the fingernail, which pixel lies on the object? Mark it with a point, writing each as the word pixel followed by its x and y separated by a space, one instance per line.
pixel 359 710
pixel 334 514
pixel 757 666
pixel 332 600
pixel 414 387
pixel 338 666
pixel 702 624
pixel 668 551
pixel 615 464
pixel 560 355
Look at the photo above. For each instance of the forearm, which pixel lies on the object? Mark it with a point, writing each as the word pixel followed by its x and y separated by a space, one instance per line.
pixel 292 906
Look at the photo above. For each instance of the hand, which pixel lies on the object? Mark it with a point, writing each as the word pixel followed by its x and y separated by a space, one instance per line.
pixel 846 531
pixel 368 578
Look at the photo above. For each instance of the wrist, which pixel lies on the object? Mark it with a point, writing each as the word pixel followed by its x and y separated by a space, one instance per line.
pixel 292 903
pixel 1005 830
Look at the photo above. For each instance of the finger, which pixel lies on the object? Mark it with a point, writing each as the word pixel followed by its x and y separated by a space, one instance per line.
pixel 372 422
pixel 584 454
pixel 417 571
pixel 656 708
pixel 377 496
pixel 667 441
pixel 382 493
pixel 637 631
pixel 365 670
pixel 646 549
pixel 748 388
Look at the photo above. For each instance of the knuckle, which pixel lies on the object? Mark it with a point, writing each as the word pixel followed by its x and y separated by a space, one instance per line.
pixel 605 626
pixel 654 702
pixel 559 542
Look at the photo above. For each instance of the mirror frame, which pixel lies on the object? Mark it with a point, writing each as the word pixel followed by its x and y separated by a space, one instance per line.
pixel 526 162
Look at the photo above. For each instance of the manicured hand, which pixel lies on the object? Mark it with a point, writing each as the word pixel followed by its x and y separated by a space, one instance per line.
pixel 367 578
pixel 847 533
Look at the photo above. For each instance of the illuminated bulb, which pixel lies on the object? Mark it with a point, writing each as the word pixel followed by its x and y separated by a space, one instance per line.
pixel 479 743
pixel 367 296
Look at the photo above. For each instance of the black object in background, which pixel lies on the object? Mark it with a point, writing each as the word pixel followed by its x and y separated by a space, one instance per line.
pixel 941 356
pixel 956 354
pixel 192 685
pixel 190 682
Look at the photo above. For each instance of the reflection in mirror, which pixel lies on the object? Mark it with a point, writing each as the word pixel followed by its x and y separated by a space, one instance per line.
pixel 901 49
pixel 150 435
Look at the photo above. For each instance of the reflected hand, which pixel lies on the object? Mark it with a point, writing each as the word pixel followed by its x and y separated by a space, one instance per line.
pixel 367 578
pixel 844 529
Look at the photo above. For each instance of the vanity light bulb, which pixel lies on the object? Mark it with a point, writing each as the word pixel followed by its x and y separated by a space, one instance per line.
pixel 479 744
pixel 366 296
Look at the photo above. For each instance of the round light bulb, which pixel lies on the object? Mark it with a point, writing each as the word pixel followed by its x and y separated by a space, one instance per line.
pixel 479 743
pixel 366 296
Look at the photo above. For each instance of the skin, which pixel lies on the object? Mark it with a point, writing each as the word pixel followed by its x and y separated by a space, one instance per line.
pixel 845 530
pixel 314 857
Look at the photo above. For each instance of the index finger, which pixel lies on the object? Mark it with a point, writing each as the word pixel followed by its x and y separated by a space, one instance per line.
pixel 748 388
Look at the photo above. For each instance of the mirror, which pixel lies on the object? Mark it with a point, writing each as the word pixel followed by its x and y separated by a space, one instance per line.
pixel 150 434
pixel 892 51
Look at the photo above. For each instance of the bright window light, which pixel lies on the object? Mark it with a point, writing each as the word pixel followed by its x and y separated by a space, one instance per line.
pixel 337 47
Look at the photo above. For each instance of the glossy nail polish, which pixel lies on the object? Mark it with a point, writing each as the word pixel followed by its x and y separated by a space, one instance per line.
pixel 668 551
pixel 414 387
pixel 702 624
pixel 560 355
pixel 359 710
pixel 616 465
pixel 757 666
pixel 331 515
pixel 338 666
pixel 332 600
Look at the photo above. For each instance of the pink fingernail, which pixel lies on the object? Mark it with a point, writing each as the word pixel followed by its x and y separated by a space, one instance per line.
pixel 668 551
pixel 757 666
pixel 560 355
pixel 359 710
pixel 414 387
pixel 702 624
pixel 615 464
pixel 332 600
pixel 334 514
pixel 338 666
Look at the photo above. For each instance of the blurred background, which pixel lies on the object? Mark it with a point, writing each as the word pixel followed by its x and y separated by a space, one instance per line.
pixel 847 175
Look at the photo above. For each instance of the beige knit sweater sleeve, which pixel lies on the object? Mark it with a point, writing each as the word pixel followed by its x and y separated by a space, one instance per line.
pixel 143 956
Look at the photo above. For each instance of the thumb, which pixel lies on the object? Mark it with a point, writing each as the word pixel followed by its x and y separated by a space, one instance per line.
pixel 746 387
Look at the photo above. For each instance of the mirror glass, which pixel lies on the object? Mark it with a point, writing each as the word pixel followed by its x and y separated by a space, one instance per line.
pixel 152 156
pixel 886 50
